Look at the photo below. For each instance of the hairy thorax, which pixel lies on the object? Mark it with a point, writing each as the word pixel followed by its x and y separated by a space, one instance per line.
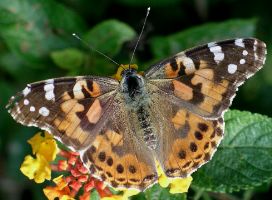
pixel 137 101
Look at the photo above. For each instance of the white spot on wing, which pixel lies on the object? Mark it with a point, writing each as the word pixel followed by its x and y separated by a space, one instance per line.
pixel 232 68
pixel 32 109
pixel 240 43
pixel 26 102
pixel 49 90
pixel 26 91
pixel 77 87
pixel 245 52
pixel 189 65
pixel 242 61
pixel 44 111
pixel 218 54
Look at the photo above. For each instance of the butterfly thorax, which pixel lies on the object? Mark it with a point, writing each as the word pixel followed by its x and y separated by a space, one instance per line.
pixel 138 101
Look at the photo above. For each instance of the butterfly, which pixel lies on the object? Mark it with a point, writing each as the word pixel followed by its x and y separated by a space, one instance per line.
pixel 171 114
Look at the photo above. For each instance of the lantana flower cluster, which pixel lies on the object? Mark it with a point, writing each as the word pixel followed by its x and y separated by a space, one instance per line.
pixel 75 181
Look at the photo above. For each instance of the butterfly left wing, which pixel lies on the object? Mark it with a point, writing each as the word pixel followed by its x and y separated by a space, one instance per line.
pixel 88 115
pixel 69 108
pixel 204 79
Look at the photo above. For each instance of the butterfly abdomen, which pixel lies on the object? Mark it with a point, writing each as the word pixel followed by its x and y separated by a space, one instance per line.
pixel 149 135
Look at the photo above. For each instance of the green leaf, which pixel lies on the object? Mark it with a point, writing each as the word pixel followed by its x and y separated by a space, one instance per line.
pixel 244 158
pixel 156 192
pixel 68 58
pixel 31 28
pixel 94 195
pixel 109 36
pixel 166 46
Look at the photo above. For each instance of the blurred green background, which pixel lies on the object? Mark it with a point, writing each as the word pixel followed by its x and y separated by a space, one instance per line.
pixel 36 43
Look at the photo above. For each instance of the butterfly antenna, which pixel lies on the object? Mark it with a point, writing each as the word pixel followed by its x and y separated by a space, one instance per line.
pixel 147 13
pixel 92 48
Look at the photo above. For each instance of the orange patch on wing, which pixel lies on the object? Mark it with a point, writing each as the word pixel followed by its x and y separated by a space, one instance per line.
pixel 169 72
pixel 182 91
pixel 94 112
pixel 82 84
pixel 96 90
pixel 213 91
pixel 66 106
pixel 66 96
pixel 116 139
pixel 179 119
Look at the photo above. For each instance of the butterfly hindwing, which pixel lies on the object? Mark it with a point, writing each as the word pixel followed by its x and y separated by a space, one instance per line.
pixel 66 107
pixel 185 140
pixel 117 155
pixel 205 78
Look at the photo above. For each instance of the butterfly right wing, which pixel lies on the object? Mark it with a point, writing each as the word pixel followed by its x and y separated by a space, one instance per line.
pixel 69 108
pixel 186 141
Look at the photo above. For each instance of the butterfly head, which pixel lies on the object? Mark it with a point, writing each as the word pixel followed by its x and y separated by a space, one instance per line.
pixel 132 83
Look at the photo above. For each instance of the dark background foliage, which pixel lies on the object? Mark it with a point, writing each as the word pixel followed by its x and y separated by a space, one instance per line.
pixel 36 43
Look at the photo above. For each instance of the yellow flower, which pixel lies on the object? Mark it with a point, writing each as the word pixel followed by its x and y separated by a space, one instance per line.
pixel 53 193
pixel 177 185
pixel 180 185
pixel 36 168
pixel 45 146
pixel 126 194
pixel 113 197
pixel 129 192
pixel 60 182
pixel 60 191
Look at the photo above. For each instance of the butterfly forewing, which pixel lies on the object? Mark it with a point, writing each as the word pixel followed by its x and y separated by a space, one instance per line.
pixel 205 78
pixel 66 107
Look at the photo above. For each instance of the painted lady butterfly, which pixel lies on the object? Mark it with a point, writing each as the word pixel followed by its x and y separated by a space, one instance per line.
pixel 173 113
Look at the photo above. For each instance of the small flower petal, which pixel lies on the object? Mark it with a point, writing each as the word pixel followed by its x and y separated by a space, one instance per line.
pixel 37 169
pixel 163 179
pixel 49 149
pixel 129 193
pixel 177 185
pixel 113 197
pixel 60 191
pixel 45 146
pixel 60 182
pixel 53 192
pixel 35 142
pixel 180 185
pixel 66 197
